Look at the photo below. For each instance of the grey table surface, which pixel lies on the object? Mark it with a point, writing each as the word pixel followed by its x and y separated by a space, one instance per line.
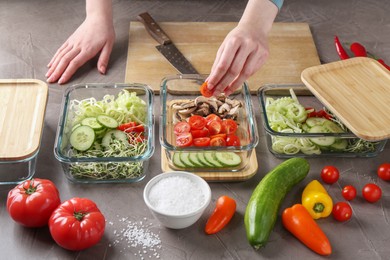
pixel 31 32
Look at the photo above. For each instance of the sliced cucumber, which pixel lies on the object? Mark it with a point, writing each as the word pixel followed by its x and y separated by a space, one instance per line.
pixel 107 121
pixel 210 158
pixel 314 121
pixel 339 144
pixel 75 126
pixel 203 160
pixel 114 135
pixel 184 158
pixel 194 160
pixel 332 127
pixel 229 159
pixel 323 140
pixel 92 122
pixel 177 161
pixel 82 138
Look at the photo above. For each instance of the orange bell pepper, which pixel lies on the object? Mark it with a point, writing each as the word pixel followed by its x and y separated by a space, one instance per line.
pixel 298 221
pixel 223 213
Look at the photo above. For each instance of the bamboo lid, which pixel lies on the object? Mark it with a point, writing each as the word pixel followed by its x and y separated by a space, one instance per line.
pixel 23 104
pixel 357 91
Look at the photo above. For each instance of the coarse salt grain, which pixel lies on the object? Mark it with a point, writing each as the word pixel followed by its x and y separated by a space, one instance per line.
pixel 176 195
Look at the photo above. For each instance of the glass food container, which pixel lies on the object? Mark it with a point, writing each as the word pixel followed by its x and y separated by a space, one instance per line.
pixel 23 105
pixel 105 133
pixel 180 100
pixel 289 136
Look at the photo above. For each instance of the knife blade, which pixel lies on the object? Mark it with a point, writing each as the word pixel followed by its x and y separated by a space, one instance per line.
pixel 166 47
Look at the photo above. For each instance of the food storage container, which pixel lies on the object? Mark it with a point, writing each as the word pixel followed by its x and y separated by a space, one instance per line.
pixel 23 104
pixel 105 133
pixel 288 136
pixel 180 101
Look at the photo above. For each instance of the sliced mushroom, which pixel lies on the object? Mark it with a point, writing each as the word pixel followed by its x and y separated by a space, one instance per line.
pixel 187 111
pixel 201 99
pixel 224 108
pixel 233 102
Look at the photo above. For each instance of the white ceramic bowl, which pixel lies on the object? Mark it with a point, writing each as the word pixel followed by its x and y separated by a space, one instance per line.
pixel 182 218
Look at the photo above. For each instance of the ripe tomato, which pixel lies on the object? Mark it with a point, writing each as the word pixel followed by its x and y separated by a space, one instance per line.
pixel 200 133
pixel 184 139
pixel 197 122
pixel 215 127
pixel 217 141
pixel 330 174
pixel 125 126
pixel 342 211
pixel 202 141
pixel 372 192
pixel 77 224
pixel 219 135
pixel 212 117
pixel 229 126
pixel 349 192
pixel 32 202
pixel 181 127
pixel 384 171
pixel 205 91
pixel 232 140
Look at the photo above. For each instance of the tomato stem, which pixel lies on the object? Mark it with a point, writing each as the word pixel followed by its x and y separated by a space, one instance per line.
pixel 79 215
pixel 318 207
pixel 31 188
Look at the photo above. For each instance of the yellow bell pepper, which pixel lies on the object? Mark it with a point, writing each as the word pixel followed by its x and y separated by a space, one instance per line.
pixel 317 200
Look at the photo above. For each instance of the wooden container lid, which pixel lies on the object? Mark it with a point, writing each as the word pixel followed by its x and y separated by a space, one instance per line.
pixel 22 110
pixel 357 91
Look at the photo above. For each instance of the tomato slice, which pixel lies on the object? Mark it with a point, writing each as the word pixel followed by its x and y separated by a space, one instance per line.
pixel 200 133
pixel 205 91
pixel 232 140
pixel 124 127
pixel 197 122
pixel 215 127
pixel 202 141
pixel 184 140
pixel 217 141
pixel 229 126
pixel 219 135
pixel 181 128
pixel 212 117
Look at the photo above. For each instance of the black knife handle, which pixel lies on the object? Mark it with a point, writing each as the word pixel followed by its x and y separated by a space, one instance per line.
pixel 153 28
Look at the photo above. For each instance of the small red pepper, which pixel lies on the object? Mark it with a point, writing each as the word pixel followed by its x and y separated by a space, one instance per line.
pixel 223 213
pixel 358 49
pixel 340 49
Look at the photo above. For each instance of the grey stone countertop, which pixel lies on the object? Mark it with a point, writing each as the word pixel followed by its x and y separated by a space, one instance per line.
pixel 31 32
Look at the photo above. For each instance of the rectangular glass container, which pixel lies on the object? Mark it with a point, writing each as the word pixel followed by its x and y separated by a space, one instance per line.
pixel 123 163
pixel 289 143
pixel 177 90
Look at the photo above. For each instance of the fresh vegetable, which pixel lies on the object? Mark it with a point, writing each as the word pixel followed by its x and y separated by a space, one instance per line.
pixel 197 122
pixel 131 127
pixel 221 216
pixel 82 138
pixel 330 174
pixel 298 221
pixel 372 192
pixel 184 140
pixel 383 63
pixel 31 202
pixel 200 133
pixel 218 141
pixel 214 127
pixel 340 49
pixel 229 126
pixel 204 159
pixel 201 141
pixel 264 203
pixel 181 128
pixel 232 140
pixel 349 192
pixel 77 224
pixel 204 90
pixel 358 49
pixel 317 200
pixel 384 171
pixel 342 211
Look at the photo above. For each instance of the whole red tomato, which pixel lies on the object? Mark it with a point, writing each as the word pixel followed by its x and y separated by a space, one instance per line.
pixel 349 192
pixel 31 202
pixel 372 192
pixel 342 211
pixel 77 224
pixel 384 171
pixel 330 174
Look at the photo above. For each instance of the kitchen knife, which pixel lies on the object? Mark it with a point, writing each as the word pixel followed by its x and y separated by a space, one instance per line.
pixel 167 48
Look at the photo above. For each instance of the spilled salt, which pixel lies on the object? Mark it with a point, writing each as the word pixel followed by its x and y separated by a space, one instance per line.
pixel 176 195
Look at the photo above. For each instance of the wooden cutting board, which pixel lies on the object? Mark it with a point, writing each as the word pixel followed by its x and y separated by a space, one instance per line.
pixel 292 49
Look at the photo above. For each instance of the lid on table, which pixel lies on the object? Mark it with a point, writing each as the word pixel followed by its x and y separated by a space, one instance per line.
pixel 23 104
pixel 357 91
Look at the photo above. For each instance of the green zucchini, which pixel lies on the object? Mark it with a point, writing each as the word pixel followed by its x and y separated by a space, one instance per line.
pixel 263 206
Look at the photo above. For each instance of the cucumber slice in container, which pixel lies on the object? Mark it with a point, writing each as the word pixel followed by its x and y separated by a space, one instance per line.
pixel 203 160
pixel 194 160
pixel 184 157
pixel 92 122
pixel 339 144
pixel 177 161
pixel 82 138
pixel 314 121
pixel 210 158
pixel 107 121
pixel 114 135
pixel 229 159
pixel 323 140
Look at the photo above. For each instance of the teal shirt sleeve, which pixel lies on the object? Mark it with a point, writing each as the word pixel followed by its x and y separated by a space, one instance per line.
pixel 278 3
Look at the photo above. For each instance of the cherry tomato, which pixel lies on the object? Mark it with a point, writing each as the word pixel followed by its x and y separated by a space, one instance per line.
pixel 384 171
pixel 184 140
pixel 232 140
pixel 125 126
pixel 342 211
pixel 217 141
pixel 229 126
pixel 212 117
pixel 201 141
pixel 200 133
pixel 32 202
pixel 219 135
pixel 349 192
pixel 77 224
pixel 197 122
pixel 181 128
pixel 372 192
pixel 214 127
pixel 205 91
pixel 330 174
